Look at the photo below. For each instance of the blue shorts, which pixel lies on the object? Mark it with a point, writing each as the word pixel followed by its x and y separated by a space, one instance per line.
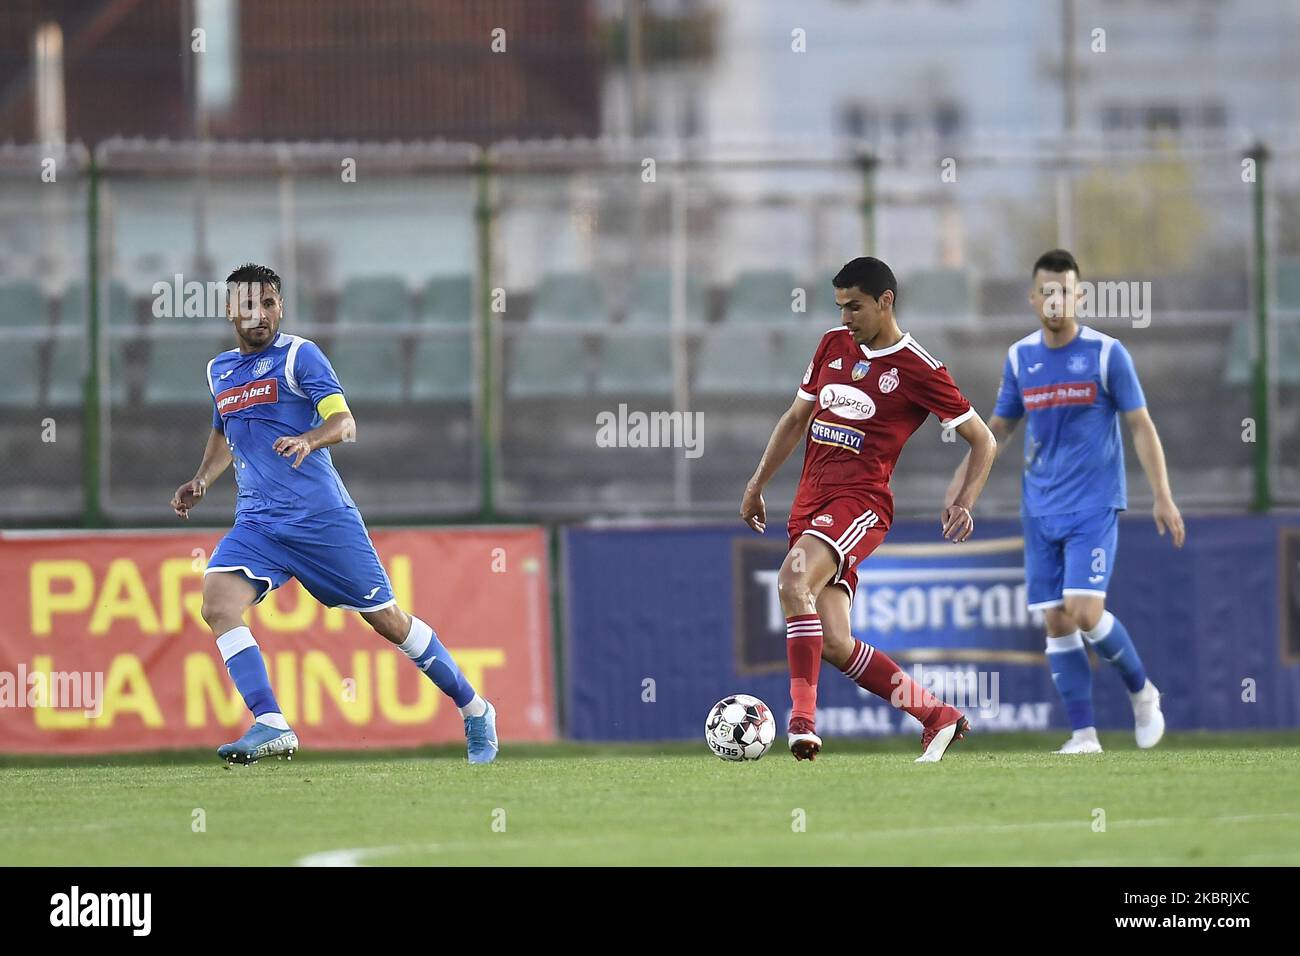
pixel 1068 554
pixel 329 553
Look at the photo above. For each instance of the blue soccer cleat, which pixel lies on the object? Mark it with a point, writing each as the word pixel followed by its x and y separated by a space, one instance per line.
pixel 260 740
pixel 481 736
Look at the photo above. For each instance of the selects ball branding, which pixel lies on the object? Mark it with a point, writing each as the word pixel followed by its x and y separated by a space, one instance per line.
pixel 740 727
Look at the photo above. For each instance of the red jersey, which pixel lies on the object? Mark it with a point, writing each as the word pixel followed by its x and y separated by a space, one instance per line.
pixel 868 404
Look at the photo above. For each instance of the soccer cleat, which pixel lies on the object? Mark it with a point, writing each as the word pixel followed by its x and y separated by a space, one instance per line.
pixel 260 740
pixel 948 725
pixel 481 736
pixel 1148 721
pixel 1082 742
pixel 804 742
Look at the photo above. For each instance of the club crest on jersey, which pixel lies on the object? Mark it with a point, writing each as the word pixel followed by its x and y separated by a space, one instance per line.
pixel 860 371
pixel 838 364
pixel 262 367
pixel 888 382
pixel 823 520
pixel 1077 364
pixel 847 401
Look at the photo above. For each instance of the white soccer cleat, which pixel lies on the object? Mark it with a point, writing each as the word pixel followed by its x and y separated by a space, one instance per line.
pixel 1082 742
pixel 1148 721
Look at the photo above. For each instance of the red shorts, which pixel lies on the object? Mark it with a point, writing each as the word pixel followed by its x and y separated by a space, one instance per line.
pixel 852 529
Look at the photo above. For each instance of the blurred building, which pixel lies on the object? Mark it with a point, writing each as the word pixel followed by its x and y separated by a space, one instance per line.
pixel 308 69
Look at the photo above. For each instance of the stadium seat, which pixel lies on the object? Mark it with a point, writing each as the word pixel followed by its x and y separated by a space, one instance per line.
pixel 73 306
pixel 650 301
pixel 1288 283
pixel 731 364
pixel 370 368
pixel 20 368
pixel 177 368
pixel 1239 370
pixel 447 300
pixel 636 364
pixel 569 297
pixel 760 296
pixel 67 372
pixel 23 305
pixel 375 300
pixel 442 368
pixel 547 366
pixel 939 296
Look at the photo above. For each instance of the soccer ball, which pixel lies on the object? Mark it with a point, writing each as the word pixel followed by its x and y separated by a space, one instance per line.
pixel 740 727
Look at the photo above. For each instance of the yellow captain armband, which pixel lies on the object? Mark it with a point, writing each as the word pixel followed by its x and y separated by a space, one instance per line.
pixel 331 405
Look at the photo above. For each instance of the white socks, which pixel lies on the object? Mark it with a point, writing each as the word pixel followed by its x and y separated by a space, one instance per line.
pixel 475 708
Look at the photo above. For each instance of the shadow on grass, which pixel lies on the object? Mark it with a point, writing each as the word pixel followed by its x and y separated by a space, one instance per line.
pixel 978 743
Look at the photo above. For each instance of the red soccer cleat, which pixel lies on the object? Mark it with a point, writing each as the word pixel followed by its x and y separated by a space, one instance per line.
pixel 946 725
pixel 804 742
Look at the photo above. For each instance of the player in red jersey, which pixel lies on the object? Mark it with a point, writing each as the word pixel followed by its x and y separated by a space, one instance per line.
pixel 867 389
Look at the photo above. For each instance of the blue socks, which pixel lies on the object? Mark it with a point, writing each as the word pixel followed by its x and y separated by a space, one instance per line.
pixel 423 647
pixel 1072 674
pixel 1111 641
pixel 247 669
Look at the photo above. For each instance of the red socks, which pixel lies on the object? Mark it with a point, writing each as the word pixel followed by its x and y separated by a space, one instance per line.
pixel 803 649
pixel 872 669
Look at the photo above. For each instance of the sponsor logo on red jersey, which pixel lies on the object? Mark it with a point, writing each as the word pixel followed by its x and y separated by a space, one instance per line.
pixel 847 401
pixel 262 392
pixel 1066 393
pixel 841 436
pixel 823 520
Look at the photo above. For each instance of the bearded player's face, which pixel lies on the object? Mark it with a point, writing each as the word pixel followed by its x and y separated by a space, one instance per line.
pixel 861 314
pixel 255 310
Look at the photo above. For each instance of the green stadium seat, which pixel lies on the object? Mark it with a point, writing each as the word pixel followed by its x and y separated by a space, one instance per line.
pixel 937 295
pixel 762 296
pixel 651 301
pixel 178 363
pixel 20 371
pixel 23 305
pixel 73 306
pixel 375 300
pixel 1239 371
pixel 369 367
pixel 569 297
pixel 442 368
pixel 547 366
pixel 732 364
pixel 637 365
pixel 447 300
pixel 67 372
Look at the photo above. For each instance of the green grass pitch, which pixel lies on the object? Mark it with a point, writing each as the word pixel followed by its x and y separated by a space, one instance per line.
pixel 1197 800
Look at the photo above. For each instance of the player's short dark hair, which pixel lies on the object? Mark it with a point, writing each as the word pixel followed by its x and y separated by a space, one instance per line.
pixel 1056 260
pixel 868 274
pixel 252 272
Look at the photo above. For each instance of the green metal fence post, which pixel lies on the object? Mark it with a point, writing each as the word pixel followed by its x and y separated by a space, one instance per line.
pixel 90 438
pixel 1263 496
pixel 867 163
pixel 487 405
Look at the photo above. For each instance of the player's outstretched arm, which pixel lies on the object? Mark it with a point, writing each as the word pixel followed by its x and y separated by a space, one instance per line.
pixel 790 428
pixel 957 521
pixel 340 426
pixel 216 459
pixel 1146 440
pixel 1002 429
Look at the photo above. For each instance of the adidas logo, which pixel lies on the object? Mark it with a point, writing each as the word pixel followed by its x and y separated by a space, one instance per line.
pixel 838 365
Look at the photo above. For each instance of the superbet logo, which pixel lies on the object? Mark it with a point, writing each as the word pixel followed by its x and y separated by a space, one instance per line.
pixel 263 392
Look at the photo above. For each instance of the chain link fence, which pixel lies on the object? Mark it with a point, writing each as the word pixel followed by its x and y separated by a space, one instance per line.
pixel 521 331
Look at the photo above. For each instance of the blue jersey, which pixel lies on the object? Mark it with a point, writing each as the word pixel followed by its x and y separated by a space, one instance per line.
pixel 1074 455
pixel 266 395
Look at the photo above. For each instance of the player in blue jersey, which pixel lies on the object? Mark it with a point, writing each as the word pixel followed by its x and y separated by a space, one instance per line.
pixel 277 407
pixel 1072 383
